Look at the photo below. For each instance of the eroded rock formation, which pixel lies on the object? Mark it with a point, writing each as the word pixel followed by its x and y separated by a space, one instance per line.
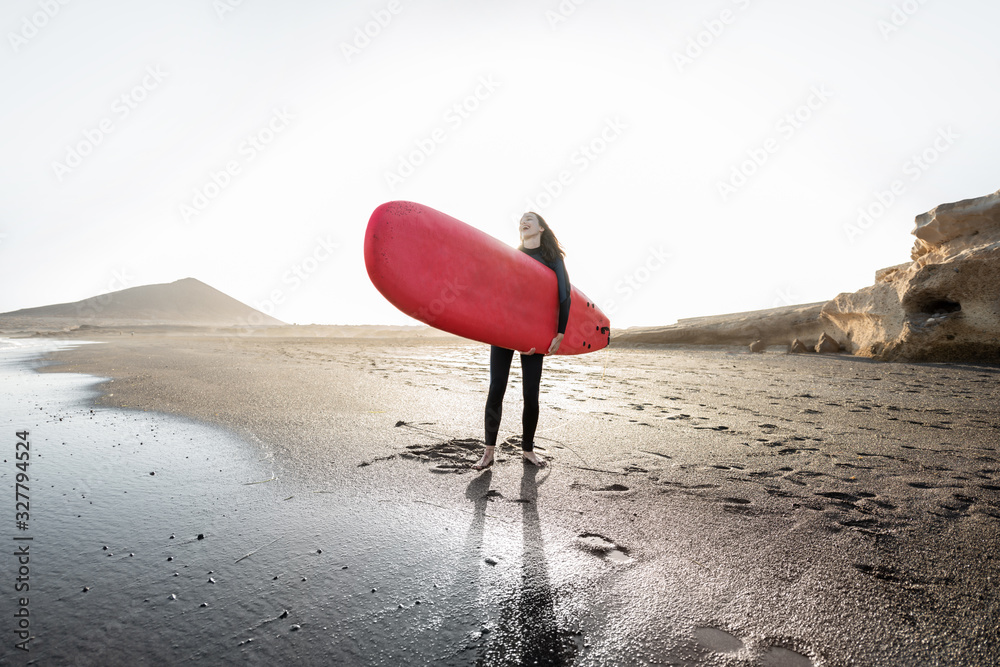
pixel 775 326
pixel 944 305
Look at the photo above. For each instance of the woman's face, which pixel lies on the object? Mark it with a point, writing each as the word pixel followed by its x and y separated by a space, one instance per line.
pixel 529 226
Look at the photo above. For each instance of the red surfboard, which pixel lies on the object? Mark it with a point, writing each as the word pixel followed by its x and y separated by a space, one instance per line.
pixel 459 279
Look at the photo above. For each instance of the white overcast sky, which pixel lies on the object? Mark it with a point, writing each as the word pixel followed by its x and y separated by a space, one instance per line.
pixel 115 113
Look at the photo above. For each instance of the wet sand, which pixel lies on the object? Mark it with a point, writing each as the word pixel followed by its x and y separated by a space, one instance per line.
pixel 703 506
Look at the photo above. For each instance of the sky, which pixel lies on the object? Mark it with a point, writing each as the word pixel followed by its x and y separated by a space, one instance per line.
pixel 693 158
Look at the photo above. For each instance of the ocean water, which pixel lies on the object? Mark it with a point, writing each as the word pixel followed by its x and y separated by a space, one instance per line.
pixel 154 539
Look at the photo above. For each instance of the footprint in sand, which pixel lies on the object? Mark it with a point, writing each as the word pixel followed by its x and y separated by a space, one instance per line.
pixel 604 547
pixel 717 640
pixel 739 506
pixel 613 487
pixel 782 657
pixel 720 641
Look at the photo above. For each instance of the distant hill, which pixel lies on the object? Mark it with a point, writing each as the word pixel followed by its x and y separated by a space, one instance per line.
pixel 186 302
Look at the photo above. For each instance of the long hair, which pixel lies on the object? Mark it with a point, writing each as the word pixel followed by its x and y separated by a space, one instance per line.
pixel 551 250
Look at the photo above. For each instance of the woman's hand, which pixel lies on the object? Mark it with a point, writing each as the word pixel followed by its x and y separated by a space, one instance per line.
pixel 554 345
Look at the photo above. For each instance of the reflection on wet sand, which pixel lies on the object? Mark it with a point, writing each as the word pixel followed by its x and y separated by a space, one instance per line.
pixel 833 507
pixel 527 630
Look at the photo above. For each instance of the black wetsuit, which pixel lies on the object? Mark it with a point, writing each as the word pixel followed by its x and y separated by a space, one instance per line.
pixel 531 366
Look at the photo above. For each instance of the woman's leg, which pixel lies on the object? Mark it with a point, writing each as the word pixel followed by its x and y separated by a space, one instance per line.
pixel 500 359
pixel 531 374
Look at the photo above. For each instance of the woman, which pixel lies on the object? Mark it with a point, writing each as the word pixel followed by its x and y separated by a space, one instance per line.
pixel 537 241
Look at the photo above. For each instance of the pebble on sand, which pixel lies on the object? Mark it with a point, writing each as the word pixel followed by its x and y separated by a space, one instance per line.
pixel 827 344
pixel 201 536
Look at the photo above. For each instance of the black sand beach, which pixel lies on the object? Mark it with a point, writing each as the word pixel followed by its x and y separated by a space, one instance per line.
pixel 703 507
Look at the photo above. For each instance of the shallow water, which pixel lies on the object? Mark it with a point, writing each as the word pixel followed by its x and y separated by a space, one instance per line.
pixel 158 539
pixel 118 574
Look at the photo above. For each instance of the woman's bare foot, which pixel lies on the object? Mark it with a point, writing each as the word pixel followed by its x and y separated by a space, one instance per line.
pixel 486 461
pixel 532 458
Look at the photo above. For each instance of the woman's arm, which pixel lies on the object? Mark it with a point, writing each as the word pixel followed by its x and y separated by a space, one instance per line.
pixel 563 294
pixel 562 281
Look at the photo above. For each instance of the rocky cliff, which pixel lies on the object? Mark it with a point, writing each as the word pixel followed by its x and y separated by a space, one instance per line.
pixel 775 326
pixel 944 305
